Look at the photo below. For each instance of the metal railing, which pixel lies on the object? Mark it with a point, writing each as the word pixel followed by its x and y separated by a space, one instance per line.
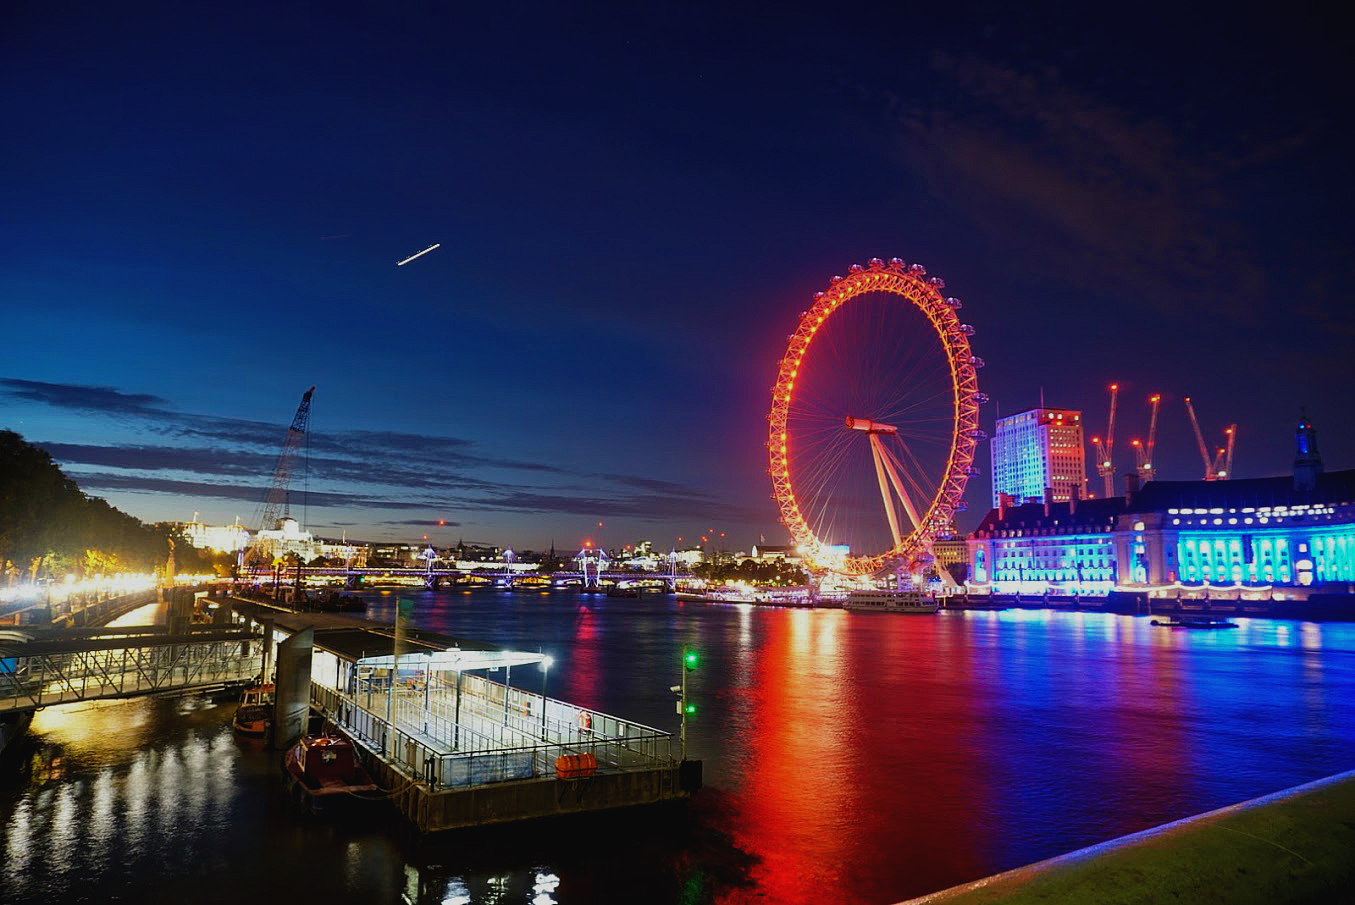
pixel 138 666
pixel 484 742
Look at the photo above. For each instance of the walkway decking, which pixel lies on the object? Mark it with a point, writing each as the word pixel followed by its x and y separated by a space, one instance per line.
pixel 94 664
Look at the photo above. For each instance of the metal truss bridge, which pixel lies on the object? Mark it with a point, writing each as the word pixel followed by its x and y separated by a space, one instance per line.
pixel 43 667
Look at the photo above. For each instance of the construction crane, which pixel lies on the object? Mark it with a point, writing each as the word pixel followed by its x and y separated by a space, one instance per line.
pixel 1210 472
pixel 1223 460
pixel 277 499
pixel 1104 451
pixel 1144 452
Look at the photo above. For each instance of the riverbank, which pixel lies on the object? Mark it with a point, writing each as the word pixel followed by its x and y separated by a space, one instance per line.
pixel 1292 846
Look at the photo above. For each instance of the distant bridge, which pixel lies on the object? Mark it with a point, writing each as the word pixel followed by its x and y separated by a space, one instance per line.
pixel 501 577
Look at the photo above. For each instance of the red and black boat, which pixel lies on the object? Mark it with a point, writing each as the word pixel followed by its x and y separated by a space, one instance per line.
pixel 324 774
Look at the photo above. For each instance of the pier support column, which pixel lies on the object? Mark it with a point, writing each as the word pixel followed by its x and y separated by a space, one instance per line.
pixel 293 688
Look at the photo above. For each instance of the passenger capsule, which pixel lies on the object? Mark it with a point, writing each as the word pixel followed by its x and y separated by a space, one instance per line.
pixel 955 303
pixel 876 263
pixel 967 329
pixel 898 262
pixel 975 361
pixel 856 268
pixel 981 398
pixel 917 269
pixel 836 279
pixel 937 282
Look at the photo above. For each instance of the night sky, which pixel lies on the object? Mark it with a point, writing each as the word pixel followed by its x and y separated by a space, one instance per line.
pixel 203 204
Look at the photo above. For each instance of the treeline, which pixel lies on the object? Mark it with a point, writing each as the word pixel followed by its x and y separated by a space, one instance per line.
pixel 773 572
pixel 50 529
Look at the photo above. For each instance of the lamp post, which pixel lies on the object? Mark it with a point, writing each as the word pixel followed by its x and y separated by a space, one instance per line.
pixel 545 672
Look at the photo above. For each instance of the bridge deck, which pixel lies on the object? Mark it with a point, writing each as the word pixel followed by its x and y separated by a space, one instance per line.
pixel 120 663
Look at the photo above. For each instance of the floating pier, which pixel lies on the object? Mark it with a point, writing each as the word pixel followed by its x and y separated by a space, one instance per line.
pixel 457 747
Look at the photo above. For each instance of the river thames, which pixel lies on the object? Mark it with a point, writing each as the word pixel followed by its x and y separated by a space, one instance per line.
pixel 848 758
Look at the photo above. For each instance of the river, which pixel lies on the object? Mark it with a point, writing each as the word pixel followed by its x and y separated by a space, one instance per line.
pixel 848 758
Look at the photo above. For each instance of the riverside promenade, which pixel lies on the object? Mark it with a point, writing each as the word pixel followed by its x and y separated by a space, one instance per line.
pixel 1297 845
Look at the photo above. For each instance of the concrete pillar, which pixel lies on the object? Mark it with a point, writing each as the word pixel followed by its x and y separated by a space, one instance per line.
pixel 293 688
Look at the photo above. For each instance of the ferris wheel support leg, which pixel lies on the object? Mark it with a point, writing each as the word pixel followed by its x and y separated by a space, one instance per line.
pixel 892 467
pixel 877 453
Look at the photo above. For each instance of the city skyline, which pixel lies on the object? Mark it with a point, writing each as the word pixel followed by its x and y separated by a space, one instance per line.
pixel 196 241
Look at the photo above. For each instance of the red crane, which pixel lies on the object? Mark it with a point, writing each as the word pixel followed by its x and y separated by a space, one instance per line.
pixel 1144 452
pixel 277 499
pixel 1104 451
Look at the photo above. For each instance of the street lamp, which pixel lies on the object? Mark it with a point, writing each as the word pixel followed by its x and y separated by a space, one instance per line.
pixel 545 672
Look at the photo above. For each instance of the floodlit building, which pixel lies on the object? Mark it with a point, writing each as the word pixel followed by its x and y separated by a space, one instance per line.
pixel 289 538
pixel 221 538
pixel 1035 449
pixel 775 552
pixel 1285 536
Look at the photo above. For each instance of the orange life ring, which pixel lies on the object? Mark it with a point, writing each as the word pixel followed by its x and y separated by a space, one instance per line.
pixel 585 721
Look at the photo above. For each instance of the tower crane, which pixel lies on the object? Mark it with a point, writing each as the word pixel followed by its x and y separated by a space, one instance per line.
pixel 277 499
pixel 1104 451
pixel 1223 460
pixel 1147 471
pixel 1210 474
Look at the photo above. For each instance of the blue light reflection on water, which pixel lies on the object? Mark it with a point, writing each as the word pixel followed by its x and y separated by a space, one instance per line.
pixel 874 756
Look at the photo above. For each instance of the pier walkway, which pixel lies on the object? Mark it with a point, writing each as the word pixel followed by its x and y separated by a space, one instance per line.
pixel 462 749
pixel 43 668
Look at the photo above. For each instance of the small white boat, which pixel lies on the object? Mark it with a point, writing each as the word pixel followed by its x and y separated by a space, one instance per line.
pixel 890 601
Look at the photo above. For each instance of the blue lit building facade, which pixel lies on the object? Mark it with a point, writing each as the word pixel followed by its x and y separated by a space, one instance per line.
pixel 1254 535
pixel 1047 548
pixel 1037 449
pixel 1288 537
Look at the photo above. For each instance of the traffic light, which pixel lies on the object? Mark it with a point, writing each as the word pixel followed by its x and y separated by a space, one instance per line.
pixel 690 659
pixel 691 710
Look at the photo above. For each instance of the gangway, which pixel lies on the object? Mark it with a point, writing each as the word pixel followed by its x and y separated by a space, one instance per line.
pixel 44 668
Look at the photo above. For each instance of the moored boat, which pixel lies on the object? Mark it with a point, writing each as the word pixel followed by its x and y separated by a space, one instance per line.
pixel 324 774
pixel 890 601
pixel 255 712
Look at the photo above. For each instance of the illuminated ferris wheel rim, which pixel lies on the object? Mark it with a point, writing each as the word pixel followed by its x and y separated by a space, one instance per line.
pixel 910 283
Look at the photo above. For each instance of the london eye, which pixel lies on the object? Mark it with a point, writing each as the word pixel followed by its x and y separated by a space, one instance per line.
pixel 874 421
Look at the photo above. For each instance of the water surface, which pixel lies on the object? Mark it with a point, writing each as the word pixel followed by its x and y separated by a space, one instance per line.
pixel 848 757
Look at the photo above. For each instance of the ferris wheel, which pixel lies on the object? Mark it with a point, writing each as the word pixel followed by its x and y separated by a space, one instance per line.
pixel 874 420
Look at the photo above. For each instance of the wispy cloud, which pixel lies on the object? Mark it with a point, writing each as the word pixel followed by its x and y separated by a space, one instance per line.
pixel 225 459
pixel 1083 190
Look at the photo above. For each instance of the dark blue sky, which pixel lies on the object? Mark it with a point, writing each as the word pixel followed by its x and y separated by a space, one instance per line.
pixel 635 203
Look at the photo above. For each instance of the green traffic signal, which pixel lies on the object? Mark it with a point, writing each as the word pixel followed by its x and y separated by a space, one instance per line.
pixel 690 659
pixel 691 709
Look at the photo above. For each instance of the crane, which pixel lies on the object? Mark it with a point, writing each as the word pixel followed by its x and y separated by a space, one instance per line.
pixel 1148 471
pixel 1209 473
pixel 277 499
pixel 1223 460
pixel 1104 451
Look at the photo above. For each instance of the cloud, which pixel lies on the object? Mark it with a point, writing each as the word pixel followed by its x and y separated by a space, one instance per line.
pixel 1083 190
pixel 222 458
pixel 315 498
pixel 83 398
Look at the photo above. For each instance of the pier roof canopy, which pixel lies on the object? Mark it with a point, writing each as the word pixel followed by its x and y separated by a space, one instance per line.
pixel 435 651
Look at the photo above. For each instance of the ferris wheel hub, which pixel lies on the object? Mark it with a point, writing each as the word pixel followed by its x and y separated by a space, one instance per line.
pixel 870 427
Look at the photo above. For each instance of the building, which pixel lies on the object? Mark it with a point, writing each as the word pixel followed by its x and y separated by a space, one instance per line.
pixel 1286 536
pixel 952 554
pixel 774 552
pixel 1035 449
pixel 288 538
pixel 221 538
pixel 1039 548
